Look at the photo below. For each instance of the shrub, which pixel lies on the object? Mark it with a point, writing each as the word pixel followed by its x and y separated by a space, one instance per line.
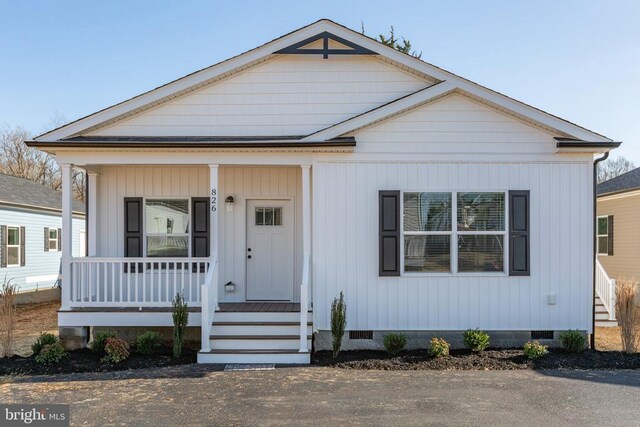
pixel 146 343
pixel 7 317
pixel 44 339
pixel 116 350
pixel 100 340
pixel 533 349
pixel 338 322
pixel 628 315
pixel 180 320
pixel 439 347
pixel 572 341
pixel 475 339
pixel 51 353
pixel 395 343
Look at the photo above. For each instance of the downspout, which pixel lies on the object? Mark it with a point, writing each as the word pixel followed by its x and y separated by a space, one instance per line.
pixel 595 250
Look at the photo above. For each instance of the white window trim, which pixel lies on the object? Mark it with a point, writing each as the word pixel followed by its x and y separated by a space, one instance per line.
pixel 454 233
pixel 57 239
pixel 14 246
pixel 144 219
pixel 606 253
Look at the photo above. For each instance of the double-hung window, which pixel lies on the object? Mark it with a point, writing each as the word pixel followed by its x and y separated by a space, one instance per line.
pixel 454 232
pixel 167 227
pixel 13 246
pixel 603 235
pixel 53 239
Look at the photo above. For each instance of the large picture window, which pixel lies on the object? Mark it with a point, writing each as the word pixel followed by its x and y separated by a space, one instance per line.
pixel 474 244
pixel 167 227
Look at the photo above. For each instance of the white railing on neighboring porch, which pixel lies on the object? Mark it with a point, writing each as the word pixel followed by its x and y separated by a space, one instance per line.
pixel 135 282
pixel 209 303
pixel 606 290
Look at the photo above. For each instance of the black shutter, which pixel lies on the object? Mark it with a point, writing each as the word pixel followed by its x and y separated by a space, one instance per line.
pixel 133 229
pixel 389 231
pixel 46 239
pixel 610 235
pixel 23 252
pixel 59 239
pixel 3 246
pixel 519 241
pixel 200 229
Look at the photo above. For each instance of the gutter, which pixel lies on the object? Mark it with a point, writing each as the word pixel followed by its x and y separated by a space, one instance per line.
pixel 595 254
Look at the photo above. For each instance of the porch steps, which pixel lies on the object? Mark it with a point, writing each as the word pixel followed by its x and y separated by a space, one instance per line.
pixel 602 315
pixel 257 337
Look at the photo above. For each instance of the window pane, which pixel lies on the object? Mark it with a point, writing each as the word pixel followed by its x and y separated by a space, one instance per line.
pixel 427 253
pixel 53 245
pixel 13 256
pixel 167 216
pixel 13 236
pixel 427 211
pixel 259 216
pixel 53 234
pixel 268 216
pixel 481 211
pixel 603 245
pixel 603 225
pixel 167 246
pixel 277 216
pixel 480 253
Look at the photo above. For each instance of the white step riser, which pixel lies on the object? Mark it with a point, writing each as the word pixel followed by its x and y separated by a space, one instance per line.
pixel 257 330
pixel 258 317
pixel 294 359
pixel 602 316
pixel 606 324
pixel 217 344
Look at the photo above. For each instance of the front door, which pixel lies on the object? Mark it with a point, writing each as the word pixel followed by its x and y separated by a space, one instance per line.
pixel 269 250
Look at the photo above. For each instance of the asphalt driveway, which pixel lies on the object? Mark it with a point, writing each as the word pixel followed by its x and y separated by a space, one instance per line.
pixel 196 395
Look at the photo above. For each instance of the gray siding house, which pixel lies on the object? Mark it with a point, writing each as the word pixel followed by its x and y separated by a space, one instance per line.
pixel 30 233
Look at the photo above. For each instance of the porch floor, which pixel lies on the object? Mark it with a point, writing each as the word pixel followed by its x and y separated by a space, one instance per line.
pixel 259 307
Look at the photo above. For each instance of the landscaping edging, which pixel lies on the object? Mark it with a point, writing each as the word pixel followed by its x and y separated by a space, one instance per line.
pixel 492 359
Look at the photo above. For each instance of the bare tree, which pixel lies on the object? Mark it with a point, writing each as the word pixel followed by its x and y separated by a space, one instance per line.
pixel 613 167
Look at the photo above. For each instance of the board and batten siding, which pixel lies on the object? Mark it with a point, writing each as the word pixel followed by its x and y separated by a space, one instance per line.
pixel 287 95
pixel 41 268
pixel 625 209
pixel 117 182
pixel 345 249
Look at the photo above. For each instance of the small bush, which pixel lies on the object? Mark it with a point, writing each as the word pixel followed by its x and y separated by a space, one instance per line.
pixel 146 343
pixel 439 347
pixel 475 339
pixel 8 317
pixel 180 320
pixel 51 353
pixel 116 350
pixel 534 350
pixel 573 341
pixel 44 339
pixel 338 322
pixel 395 343
pixel 628 314
pixel 100 340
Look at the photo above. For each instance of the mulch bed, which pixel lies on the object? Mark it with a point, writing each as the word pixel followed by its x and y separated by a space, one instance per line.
pixel 498 359
pixel 87 361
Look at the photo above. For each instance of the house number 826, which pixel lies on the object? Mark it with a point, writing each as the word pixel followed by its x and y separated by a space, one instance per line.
pixel 214 199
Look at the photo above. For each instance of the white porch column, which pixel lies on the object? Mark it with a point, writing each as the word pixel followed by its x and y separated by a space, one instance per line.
pixel 67 233
pixel 306 252
pixel 92 223
pixel 213 226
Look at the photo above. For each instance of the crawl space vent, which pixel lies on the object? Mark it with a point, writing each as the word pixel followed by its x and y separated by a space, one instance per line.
pixel 541 335
pixel 360 335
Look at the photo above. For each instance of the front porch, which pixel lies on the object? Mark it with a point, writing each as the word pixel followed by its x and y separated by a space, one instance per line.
pixel 216 236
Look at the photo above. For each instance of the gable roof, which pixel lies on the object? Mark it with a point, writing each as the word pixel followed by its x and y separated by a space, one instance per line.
pixel 621 183
pixel 19 192
pixel 326 28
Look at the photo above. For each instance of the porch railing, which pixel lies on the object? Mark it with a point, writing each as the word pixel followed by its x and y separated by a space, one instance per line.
pixel 209 303
pixel 135 282
pixel 304 305
pixel 606 290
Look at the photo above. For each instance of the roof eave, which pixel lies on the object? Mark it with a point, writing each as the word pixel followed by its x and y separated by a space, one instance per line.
pixel 565 145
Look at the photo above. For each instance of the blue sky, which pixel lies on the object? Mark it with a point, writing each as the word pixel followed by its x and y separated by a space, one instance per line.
pixel 576 59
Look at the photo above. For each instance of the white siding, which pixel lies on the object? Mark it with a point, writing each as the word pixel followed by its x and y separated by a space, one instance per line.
pixel 117 182
pixel 290 95
pixel 454 124
pixel 346 249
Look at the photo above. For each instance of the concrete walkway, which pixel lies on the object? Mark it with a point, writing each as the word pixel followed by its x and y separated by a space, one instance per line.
pixel 196 395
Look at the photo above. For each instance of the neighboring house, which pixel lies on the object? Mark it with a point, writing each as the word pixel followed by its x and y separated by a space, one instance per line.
pixel 618 236
pixel 30 233
pixel 321 162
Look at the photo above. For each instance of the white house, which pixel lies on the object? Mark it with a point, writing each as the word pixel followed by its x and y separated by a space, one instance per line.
pixel 320 162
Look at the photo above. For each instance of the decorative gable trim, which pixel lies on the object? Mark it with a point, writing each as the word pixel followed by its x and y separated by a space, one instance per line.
pixel 325 36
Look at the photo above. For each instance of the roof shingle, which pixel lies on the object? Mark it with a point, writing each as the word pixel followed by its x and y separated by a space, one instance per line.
pixel 19 191
pixel 625 182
